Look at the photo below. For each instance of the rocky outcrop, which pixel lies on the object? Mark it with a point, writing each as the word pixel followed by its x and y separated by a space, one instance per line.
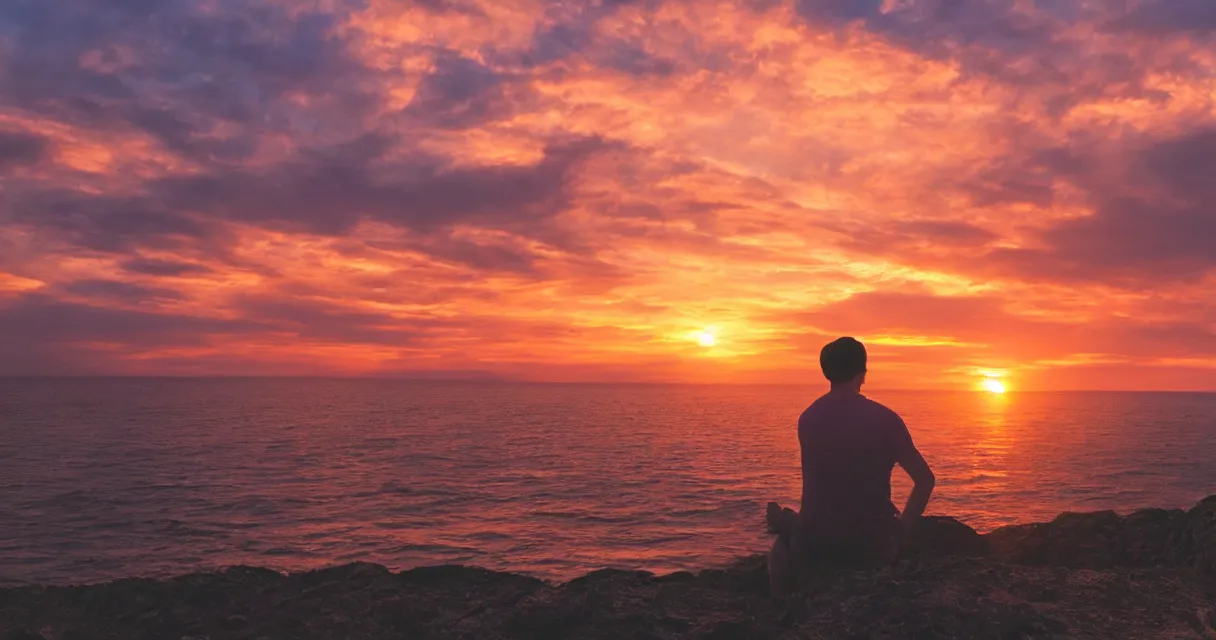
pixel 1080 576
pixel 942 536
pixel 1147 538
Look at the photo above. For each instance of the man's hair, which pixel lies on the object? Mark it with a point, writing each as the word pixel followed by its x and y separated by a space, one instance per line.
pixel 843 359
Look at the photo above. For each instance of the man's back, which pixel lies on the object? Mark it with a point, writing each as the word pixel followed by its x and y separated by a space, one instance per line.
pixel 849 444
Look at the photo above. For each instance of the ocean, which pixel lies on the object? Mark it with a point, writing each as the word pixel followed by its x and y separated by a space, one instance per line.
pixel 103 478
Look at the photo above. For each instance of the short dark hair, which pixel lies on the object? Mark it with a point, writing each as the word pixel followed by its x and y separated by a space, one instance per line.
pixel 843 359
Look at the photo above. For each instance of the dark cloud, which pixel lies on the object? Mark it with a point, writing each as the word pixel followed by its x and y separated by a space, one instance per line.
pixel 940 28
pixel 1166 17
pixel 1183 167
pixel 324 191
pixel 189 139
pixel 205 81
pixel 167 268
pixel 1153 220
pixel 573 35
pixel 838 11
pixel 107 223
pixel 21 148
pixel 119 291
pixel 1130 241
pixel 633 59
pixel 319 320
pixel 486 258
pixel 459 93
pixel 38 318
pixel 1032 47
pixel 40 335
pixel 331 190
pixel 916 240
pixel 1152 217
pixel 560 40
pixel 126 292
pixel 946 231
pixel 1004 182
pixel 465 7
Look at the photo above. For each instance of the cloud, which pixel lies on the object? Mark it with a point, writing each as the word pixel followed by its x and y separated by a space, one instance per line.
pixel 21 148
pixel 990 328
pixel 1037 49
pixel 41 335
pixel 1166 17
pixel 166 268
pixel 967 319
pixel 330 190
pixel 1153 220
pixel 41 319
pixel 206 84
pixel 575 188
pixel 486 258
pixel 117 290
pixel 581 34
pixel 319 320
pixel 459 93
pixel 839 11
pixel 107 223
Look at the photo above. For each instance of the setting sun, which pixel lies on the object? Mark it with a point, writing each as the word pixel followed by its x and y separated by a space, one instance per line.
pixel 706 339
pixel 993 385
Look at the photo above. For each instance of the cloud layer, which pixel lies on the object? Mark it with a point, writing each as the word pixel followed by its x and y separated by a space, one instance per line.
pixel 539 189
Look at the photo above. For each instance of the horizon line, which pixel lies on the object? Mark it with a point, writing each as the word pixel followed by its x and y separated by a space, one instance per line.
pixel 495 380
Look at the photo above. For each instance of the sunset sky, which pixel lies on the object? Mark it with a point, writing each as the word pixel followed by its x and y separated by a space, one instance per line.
pixel 648 190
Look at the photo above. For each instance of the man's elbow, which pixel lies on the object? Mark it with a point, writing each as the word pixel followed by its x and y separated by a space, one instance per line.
pixel 928 481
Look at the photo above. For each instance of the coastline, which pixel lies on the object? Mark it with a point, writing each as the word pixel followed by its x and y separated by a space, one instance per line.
pixel 1151 573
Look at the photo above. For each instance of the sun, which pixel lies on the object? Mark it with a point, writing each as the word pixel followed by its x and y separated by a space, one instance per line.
pixel 993 385
pixel 706 339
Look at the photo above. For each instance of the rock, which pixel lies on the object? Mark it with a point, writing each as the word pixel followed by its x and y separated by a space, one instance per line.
pixel 1145 538
pixel 1020 543
pixel 1201 529
pixel 1154 538
pixel 940 536
pixel 749 575
pixel 355 571
pixel 1080 540
pixel 1139 581
pixel 456 575
pixel 611 576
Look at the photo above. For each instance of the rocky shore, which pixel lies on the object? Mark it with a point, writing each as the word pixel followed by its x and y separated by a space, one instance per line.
pixel 1149 574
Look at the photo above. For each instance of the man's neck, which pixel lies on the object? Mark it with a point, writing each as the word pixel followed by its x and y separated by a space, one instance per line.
pixel 845 389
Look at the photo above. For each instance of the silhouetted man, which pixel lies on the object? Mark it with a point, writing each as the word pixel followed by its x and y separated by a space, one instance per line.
pixel 850 444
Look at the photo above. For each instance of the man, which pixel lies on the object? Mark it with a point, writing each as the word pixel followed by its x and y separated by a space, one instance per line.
pixel 850 444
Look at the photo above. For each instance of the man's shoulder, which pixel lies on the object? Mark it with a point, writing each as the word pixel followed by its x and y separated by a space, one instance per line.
pixel 807 413
pixel 812 410
pixel 881 411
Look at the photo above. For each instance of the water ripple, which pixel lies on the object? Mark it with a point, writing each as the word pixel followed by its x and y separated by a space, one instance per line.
pixel 105 478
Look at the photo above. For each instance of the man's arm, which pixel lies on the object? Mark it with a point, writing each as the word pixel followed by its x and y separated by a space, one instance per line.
pixel 914 465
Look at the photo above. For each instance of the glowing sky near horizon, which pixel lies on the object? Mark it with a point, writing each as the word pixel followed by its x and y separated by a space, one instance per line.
pixel 648 190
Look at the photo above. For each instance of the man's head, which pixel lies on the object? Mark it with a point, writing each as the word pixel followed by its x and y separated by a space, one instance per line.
pixel 844 363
